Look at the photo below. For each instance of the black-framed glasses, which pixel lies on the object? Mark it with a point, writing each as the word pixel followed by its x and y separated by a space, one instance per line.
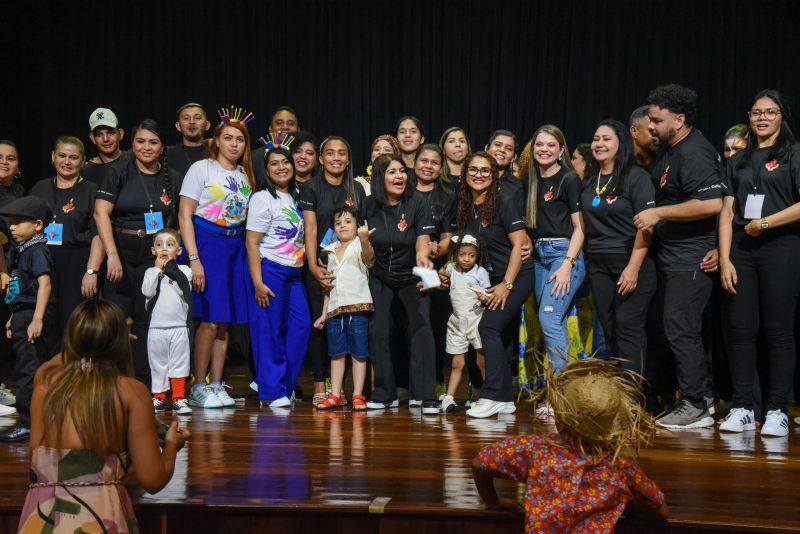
pixel 768 114
pixel 483 171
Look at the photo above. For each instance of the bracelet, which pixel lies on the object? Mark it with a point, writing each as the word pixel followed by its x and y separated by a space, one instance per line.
pixel 571 260
pixel 111 253
pixel 192 257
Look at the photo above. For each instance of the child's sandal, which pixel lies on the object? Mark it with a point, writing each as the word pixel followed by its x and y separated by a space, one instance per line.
pixel 318 397
pixel 331 402
pixel 359 403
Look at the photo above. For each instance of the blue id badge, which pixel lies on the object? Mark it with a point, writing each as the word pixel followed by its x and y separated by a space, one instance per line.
pixel 329 238
pixel 153 222
pixel 54 233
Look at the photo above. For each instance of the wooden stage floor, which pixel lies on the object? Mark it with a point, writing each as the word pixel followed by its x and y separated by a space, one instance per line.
pixel 257 470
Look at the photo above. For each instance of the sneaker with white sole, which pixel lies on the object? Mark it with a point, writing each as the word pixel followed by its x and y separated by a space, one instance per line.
pixel 738 420
pixel 509 408
pixel 430 407
pixel 158 404
pixel 203 396
pixel 181 407
pixel 6 397
pixel 282 402
pixel 686 416
pixel 7 410
pixel 372 405
pixel 448 404
pixel 413 403
pixel 254 386
pixel 776 424
pixel 222 395
pixel 487 408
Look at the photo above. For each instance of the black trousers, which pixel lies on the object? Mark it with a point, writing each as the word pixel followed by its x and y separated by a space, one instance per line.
pixel 422 357
pixel 766 297
pixel 496 332
pixel 317 350
pixel 136 257
pixel 684 295
pixel 69 266
pixel 27 358
pixel 440 314
pixel 623 318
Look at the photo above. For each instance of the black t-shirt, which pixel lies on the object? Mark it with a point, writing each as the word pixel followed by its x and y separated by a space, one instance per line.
pixel 30 264
pixel 180 157
pixel 95 171
pixel 442 204
pixel 494 234
pixel 686 171
pixel 557 198
pixel 395 239
pixel 514 188
pixel 73 207
pixel 123 187
pixel 322 198
pixel 609 225
pixel 777 179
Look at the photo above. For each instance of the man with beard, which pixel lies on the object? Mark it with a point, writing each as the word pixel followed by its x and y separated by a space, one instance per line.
pixel 686 176
pixel 105 134
pixel 284 121
pixel 644 147
pixel 192 124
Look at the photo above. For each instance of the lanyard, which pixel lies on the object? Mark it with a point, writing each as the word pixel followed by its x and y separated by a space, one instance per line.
pixel 756 169
pixel 144 187
pixel 55 196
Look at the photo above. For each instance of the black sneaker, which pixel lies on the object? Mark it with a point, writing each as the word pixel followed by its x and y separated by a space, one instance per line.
pixel 430 407
pixel 15 433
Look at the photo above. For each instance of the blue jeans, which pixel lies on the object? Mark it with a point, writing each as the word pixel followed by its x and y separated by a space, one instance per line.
pixel 553 312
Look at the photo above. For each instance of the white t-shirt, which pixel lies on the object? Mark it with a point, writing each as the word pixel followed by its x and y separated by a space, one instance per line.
pixel 221 195
pixel 170 310
pixel 282 225
pixel 477 277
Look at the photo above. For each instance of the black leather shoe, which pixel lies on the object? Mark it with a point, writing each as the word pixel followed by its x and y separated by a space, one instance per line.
pixel 15 433
pixel 430 407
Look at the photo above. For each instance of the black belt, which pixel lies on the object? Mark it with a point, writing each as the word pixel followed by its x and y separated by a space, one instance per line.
pixel 141 232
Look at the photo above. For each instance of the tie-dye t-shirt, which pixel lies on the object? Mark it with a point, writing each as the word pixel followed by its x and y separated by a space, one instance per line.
pixel 221 195
pixel 282 225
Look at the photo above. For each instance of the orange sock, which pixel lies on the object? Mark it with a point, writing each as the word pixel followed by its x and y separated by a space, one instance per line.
pixel 178 388
pixel 162 395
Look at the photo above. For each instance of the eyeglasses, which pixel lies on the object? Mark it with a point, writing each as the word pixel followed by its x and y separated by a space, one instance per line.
pixel 483 171
pixel 768 114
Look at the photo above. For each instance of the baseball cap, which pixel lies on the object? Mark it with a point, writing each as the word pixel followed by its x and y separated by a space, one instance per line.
pixel 29 207
pixel 102 117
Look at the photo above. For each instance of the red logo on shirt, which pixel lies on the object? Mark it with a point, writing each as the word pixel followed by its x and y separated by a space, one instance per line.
pixel 772 165
pixel 349 201
pixel 611 199
pixel 69 206
pixel 484 222
pixel 165 198
pixel 663 181
pixel 402 224
pixel 548 196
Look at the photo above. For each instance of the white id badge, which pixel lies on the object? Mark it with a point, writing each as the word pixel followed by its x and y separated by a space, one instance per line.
pixel 153 222
pixel 54 233
pixel 752 209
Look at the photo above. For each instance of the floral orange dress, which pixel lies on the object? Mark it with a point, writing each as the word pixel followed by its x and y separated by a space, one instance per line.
pixel 73 491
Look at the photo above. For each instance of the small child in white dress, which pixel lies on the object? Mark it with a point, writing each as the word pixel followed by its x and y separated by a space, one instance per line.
pixel 169 296
pixel 468 281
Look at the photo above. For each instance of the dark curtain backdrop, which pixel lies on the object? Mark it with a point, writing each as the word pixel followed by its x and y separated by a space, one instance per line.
pixel 353 67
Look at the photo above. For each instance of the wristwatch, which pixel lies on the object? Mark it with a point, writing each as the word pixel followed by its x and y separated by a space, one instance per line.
pixel 193 257
pixel 91 271
pixel 764 224
pixel 571 260
pixel 509 285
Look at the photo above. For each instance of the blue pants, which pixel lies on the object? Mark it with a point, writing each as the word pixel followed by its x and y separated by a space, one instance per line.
pixel 553 312
pixel 279 333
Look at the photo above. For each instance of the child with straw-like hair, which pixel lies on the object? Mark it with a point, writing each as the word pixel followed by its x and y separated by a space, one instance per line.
pixel 583 478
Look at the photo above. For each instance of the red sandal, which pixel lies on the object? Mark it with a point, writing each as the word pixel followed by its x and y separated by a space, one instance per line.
pixel 359 403
pixel 331 402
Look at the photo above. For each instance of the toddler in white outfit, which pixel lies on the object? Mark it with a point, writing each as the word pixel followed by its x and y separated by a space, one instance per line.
pixel 468 280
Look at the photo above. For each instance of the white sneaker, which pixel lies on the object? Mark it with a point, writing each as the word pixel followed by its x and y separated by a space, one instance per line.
pixel 509 408
pixel 414 403
pixel 448 403
pixel 738 420
pixel 6 397
pixel 181 407
pixel 158 404
pixel 7 410
pixel 203 396
pixel 372 405
pixel 487 408
pixel 254 386
pixel 280 403
pixel 777 424
pixel 222 395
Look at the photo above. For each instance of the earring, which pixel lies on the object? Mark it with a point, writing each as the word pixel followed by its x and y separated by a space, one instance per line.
pixel 18 175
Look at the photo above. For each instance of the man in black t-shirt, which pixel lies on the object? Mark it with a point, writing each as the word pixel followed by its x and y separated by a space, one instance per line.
pixel 686 175
pixel 105 134
pixel 192 124
pixel 284 121
pixel 644 146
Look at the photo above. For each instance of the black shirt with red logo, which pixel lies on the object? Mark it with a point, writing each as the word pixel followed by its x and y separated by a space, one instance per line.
pixel 73 207
pixel 557 198
pixel 689 170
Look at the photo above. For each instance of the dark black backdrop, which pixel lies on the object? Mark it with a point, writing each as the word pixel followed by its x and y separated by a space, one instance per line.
pixel 353 67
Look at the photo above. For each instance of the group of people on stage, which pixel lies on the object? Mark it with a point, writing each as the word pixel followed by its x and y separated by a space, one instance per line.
pixel 192 238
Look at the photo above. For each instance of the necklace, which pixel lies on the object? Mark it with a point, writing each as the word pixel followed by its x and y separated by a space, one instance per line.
pixel 598 191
